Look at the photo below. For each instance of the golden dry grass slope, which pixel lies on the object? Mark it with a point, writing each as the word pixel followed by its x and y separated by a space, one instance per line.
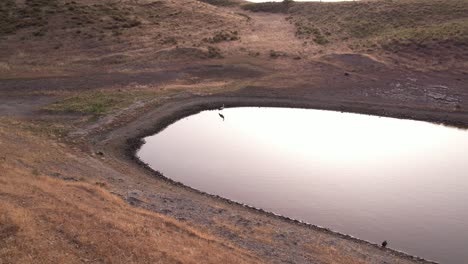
pixel 434 33
pixel 45 220
pixel 46 35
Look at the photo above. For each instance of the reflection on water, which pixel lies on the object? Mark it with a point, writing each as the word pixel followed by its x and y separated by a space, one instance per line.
pixel 375 178
pixel 261 1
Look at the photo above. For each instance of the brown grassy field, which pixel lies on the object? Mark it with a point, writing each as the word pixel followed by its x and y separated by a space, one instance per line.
pixel 50 37
pixel 46 220
pixel 421 34
pixel 57 37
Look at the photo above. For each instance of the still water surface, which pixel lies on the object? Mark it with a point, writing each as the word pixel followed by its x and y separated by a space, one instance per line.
pixel 262 1
pixel 374 178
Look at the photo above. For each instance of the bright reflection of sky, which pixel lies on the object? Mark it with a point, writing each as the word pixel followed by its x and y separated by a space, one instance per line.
pixel 261 1
pixel 375 178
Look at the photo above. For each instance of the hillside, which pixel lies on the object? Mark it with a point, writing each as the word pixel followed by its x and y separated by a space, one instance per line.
pixel 422 34
pixel 434 33
pixel 46 35
pixel 46 220
pixel 50 35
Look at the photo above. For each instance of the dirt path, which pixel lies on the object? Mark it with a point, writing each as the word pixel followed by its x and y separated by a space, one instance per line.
pixel 266 33
pixel 272 32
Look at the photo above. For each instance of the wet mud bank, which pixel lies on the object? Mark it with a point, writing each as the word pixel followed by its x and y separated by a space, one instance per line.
pixel 131 137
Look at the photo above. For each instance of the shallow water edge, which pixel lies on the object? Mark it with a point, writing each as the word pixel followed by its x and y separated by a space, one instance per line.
pixel 174 111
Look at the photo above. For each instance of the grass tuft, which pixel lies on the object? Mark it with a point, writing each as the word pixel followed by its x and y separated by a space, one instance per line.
pixel 96 103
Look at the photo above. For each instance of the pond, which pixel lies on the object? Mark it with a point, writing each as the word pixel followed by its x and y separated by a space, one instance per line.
pixel 374 178
pixel 262 1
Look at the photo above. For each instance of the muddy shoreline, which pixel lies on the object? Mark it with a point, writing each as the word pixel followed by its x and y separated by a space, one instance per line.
pixel 179 109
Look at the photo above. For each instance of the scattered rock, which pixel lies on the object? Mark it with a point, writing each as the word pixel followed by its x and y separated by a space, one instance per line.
pixel 167 200
pixel 134 193
pixel 133 197
pixel 165 211
pixel 441 96
pixel 134 201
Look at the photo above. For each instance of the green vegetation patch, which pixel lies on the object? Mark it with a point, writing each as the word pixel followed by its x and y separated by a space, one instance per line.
pixel 454 32
pixel 309 31
pixel 97 103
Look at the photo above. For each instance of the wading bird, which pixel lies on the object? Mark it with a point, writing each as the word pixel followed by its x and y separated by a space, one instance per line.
pixel 221 115
pixel 221 108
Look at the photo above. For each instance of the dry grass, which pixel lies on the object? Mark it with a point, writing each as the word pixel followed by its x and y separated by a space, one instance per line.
pixel 45 220
pixel 331 255
pixel 400 19
pixel 60 34
pixel 425 33
pixel 99 102
pixel 42 37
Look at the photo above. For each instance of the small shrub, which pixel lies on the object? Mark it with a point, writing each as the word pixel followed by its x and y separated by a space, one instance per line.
pixel 39 33
pixel 214 52
pixel 223 36
pixel 254 53
pixel 276 54
pixel 101 184
pixel 169 41
pixel 307 31
pixel 131 24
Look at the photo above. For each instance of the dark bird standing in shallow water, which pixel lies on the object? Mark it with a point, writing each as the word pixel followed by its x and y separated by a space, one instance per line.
pixel 384 244
pixel 221 115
